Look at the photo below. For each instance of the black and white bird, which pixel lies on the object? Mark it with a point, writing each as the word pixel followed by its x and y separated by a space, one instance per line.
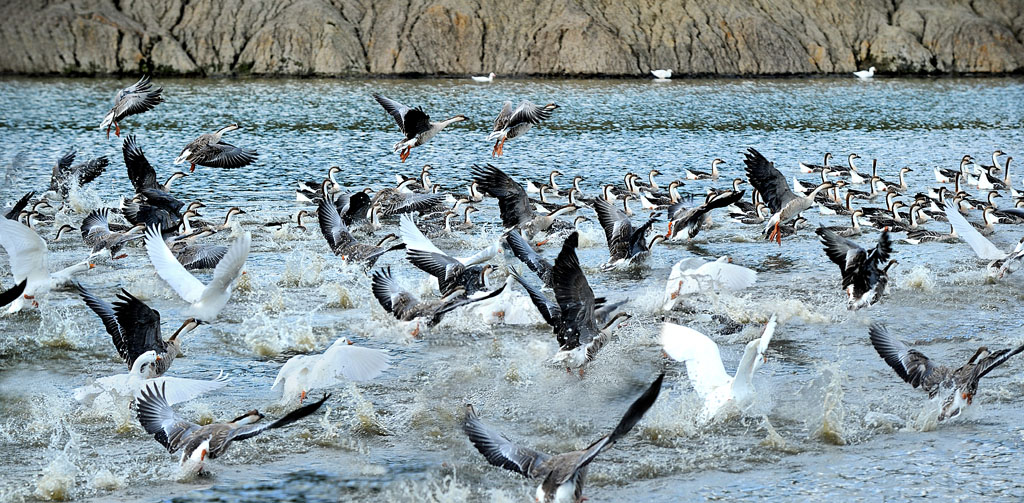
pixel 405 306
pixel 134 328
pixel 342 242
pixel 511 123
pixel 140 172
pixel 134 99
pixel 208 150
pixel 1000 263
pixel 66 173
pixel 687 224
pixel 865 273
pixel 562 476
pixel 513 204
pixel 956 387
pixel 775 191
pixel 626 246
pixel 197 443
pixel 414 123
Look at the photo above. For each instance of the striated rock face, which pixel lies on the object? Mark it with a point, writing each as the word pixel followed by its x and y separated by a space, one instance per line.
pixel 540 37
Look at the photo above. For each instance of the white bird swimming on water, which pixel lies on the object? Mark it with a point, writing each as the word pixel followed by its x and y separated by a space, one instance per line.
pixel 662 74
pixel 865 74
pixel 207 300
pixel 488 78
pixel 302 373
pixel 723 395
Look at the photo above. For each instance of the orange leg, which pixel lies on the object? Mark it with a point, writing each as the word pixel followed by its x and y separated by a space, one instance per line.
pixel 778 234
pixel 108 131
pixel 405 153
pixel 193 168
pixel 117 129
pixel 669 233
pixel 542 243
pixel 494 151
pixel 302 397
pixel 501 147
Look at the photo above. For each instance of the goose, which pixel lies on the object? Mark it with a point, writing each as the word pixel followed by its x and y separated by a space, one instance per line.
pixel 414 123
pixel 130 385
pixel 206 300
pixel 865 74
pixel 97 233
pixel 134 329
pixel 474 192
pixel 995 161
pixel 987 180
pixel 197 443
pixel 27 255
pixel 918 236
pixel 135 99
pixel 13 293
pixel 785 205
pixel 1006 173
pixel 155 207
pixel 723 395
pixel 488 78
pixel 64 229
pixel 694 274
pixel 513 203
pixel 526 254
pixel 816 168
pixel 854 229
pixel 579 337
pixel 956 386
pixel 688 223
pixel 562 475
pixel 65 173
pixel 398 200
pixel 511 123
pixel 1000 262
pixel 140 172
pixel 558 235
pixel 626 246
pixel 948 175
pixel 662 74
pixel 208 150
pixel 404 306
pixel 311 192
pixel 19 206
pixel 451 273
pixel 466 224
pixel 341 241
pixel 535 188
pixel 342 359
pixel 693 174
pixel 197 256
pixel 855 176
pixel 897 187
pixel 864 276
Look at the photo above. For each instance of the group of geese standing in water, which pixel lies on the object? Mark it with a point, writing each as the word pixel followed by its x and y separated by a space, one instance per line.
pixel 581 320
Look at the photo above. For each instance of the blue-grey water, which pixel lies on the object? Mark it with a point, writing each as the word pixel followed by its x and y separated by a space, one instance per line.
pixel 833 421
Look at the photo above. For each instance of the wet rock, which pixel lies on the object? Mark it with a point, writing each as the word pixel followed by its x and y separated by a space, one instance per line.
pixel 549 37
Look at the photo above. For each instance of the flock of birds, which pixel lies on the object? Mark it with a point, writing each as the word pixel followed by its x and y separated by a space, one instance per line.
pixel 533 216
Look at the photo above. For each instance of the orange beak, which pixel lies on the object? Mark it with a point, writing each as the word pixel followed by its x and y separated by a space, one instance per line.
pixel 349 342
pixel 542 243
pixel 202 455
pixel 92 266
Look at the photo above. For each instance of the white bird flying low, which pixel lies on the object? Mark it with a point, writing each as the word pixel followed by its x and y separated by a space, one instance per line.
pixel 128 386
pixel 27 252
pixel 302 373
pixel 694 274
pixel 1001 263
pixel 723 395
pixel 207 300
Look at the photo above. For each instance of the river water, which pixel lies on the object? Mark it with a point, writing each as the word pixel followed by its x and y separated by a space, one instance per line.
pixel 832 420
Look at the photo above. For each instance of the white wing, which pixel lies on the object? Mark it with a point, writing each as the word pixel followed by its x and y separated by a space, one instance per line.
pixel 292 368
pixel 180 389
pixel 230 267
pixel 480 256
pixel 703 361
pixel 414 238
pixel 26 252
pixel 353 362
pixel 981 246
pixel 168 267
pixel 728 276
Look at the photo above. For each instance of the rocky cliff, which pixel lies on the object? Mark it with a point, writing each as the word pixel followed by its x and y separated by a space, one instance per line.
pixel 523 37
